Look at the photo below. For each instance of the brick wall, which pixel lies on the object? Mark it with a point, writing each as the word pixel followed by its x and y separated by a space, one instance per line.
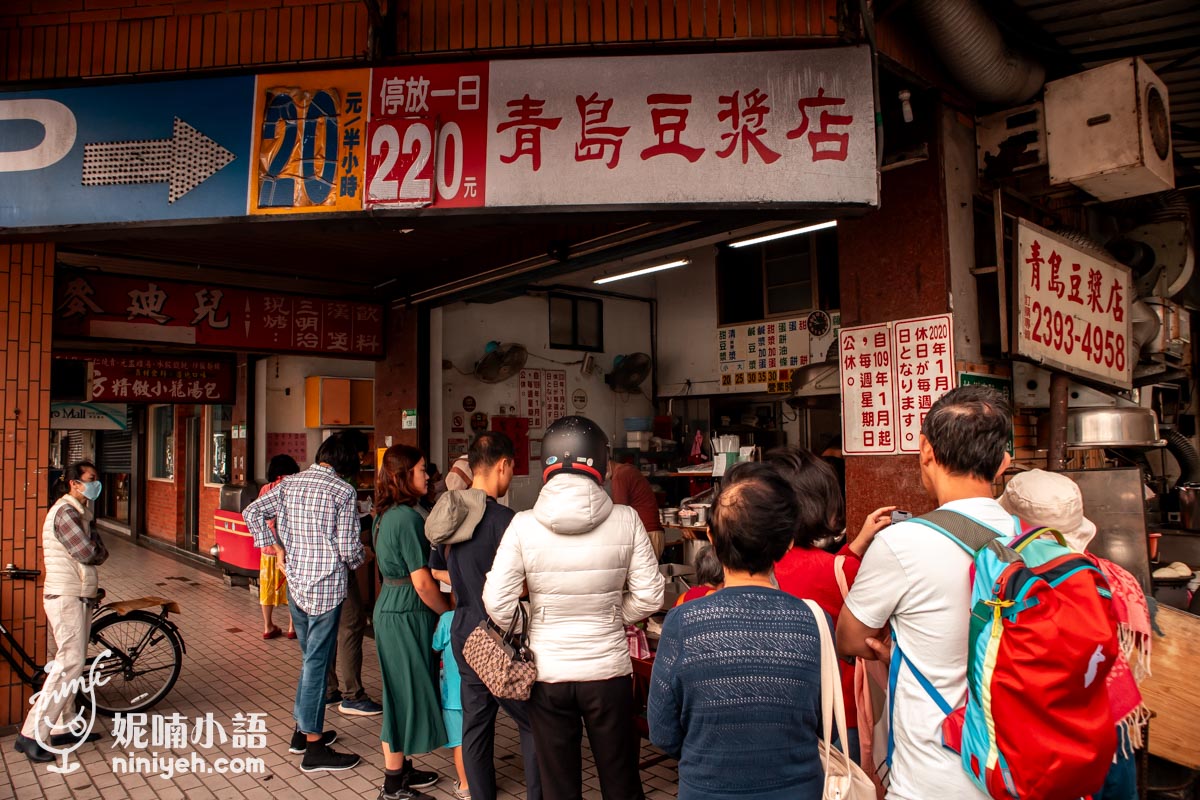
pixel 41 39
pixel 162 502
pixel 894 264
pixel 26 288
pixel 427 26
pixel 210 501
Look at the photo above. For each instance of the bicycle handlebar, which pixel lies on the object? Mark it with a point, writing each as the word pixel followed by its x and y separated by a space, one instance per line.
pixel 13 571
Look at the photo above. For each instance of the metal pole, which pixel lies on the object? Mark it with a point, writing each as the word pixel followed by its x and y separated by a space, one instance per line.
pixel 1056 456
pixel 1001 267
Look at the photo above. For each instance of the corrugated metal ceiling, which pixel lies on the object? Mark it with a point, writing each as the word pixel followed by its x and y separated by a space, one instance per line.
pixel 1164 33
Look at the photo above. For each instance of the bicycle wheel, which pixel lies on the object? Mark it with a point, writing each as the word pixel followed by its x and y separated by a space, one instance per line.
pixel 145 660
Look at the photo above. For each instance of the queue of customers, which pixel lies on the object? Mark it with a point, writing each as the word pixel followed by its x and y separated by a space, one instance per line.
pixel 735 692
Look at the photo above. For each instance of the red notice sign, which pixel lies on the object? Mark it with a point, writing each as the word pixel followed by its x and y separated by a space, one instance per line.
pixel 152 310
pixel 161 380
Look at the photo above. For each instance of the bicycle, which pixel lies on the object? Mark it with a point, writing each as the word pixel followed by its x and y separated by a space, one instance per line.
pixel 145 651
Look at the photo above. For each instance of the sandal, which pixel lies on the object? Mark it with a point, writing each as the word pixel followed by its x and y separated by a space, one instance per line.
pixel 274 633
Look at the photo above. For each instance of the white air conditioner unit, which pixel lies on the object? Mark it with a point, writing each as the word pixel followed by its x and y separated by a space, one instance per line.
pixel 1109 131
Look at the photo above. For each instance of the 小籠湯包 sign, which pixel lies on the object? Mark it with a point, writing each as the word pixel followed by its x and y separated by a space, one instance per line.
pixel 780 128
pixel 1072 308
pixel 161 380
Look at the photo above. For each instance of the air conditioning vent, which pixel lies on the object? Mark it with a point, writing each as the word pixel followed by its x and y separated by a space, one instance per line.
pixel 1109 131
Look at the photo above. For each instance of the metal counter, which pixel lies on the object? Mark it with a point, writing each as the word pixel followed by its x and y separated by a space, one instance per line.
pixel 1114 500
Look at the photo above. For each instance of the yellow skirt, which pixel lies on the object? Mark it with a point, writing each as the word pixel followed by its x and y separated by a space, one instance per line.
pixel 272 583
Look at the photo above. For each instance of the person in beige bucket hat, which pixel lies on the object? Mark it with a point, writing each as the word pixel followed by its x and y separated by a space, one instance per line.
pixel 1051 500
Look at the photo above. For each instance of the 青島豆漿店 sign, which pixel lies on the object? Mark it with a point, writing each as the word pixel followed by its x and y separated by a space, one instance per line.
pixel 152 310
pixel 775 128
pixel 1072 308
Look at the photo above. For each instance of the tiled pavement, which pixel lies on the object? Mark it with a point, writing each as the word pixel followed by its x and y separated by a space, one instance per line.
pixel 229 669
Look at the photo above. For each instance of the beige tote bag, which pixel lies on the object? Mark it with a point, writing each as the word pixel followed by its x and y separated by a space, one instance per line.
pixel 844 780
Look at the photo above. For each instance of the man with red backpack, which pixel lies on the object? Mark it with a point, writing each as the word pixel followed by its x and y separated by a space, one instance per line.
pixel 1001 639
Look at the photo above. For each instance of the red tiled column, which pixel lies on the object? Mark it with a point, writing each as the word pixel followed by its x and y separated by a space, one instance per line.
pixel 26 312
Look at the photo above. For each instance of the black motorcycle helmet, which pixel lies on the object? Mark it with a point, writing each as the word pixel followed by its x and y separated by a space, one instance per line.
pixel 574 445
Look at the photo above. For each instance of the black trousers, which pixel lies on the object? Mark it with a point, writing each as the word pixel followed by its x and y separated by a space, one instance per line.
pixel 560 711
pixel 479 735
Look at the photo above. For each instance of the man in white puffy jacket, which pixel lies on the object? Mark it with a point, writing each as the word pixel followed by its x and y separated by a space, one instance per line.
pixel 590 570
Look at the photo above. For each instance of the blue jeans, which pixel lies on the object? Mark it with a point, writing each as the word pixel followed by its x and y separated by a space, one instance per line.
pixel 317 634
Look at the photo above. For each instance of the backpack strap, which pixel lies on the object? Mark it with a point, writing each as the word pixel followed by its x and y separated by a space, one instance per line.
pixel 899 660
pixel 965 532
pixel 1028 536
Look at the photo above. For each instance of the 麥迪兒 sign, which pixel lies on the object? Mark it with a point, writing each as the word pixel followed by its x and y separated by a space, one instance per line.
pixel 152 310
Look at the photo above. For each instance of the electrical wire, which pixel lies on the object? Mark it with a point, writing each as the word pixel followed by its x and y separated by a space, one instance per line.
pixel 556 361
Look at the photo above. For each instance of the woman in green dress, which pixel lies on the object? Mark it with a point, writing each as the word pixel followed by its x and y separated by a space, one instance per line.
pixel 406 615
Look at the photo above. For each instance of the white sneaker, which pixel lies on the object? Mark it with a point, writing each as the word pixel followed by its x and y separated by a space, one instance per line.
pixel 461 793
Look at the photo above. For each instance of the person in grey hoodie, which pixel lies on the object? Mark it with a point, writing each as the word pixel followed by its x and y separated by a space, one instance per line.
pixel 590 570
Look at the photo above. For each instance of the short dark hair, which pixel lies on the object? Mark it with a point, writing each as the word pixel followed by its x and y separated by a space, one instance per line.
pixel 708 567
pixel 281 465
pixel 821 509
pixel 969 429
pixel 753 519
pixel 488 448
pixel 341 452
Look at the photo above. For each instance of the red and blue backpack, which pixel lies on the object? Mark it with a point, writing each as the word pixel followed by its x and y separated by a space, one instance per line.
pixel 1036 724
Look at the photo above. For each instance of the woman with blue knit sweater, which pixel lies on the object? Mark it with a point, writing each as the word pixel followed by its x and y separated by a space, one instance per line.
pixel 736 689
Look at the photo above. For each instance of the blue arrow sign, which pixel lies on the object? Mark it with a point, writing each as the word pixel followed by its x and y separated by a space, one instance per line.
pixel 146 152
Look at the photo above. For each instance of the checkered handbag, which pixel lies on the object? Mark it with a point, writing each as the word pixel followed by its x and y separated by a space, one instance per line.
pixel 502 659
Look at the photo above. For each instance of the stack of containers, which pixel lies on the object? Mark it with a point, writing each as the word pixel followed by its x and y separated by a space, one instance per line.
pixel 638 432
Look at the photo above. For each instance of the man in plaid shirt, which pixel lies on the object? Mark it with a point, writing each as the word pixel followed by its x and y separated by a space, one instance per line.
pixel 317 534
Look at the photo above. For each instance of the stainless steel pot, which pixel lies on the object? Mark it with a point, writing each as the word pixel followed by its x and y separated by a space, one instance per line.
pixel 1112 427
pixel 1189 505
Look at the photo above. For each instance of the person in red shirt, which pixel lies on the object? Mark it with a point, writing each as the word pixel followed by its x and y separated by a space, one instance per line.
pixel 629 487
pixel 810 573
pixel 710 576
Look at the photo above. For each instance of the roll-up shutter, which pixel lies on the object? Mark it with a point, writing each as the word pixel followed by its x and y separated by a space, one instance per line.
pixel 114 449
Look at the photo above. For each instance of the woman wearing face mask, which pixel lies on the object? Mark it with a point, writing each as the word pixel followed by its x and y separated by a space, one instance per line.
pixel 72 550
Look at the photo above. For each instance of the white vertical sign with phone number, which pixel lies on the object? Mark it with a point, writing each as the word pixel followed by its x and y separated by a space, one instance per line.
pixel 1072 308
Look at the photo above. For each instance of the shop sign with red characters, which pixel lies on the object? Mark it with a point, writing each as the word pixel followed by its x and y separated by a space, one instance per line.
pixel 924 372
pixel 1072 308
pixel 773 127
pixel 428 136
pixel 892 374
pixel 167 312
pixel 161 380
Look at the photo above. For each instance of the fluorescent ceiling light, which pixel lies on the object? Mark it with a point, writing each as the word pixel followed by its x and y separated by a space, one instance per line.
pixel 643 271
pixel 770 237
